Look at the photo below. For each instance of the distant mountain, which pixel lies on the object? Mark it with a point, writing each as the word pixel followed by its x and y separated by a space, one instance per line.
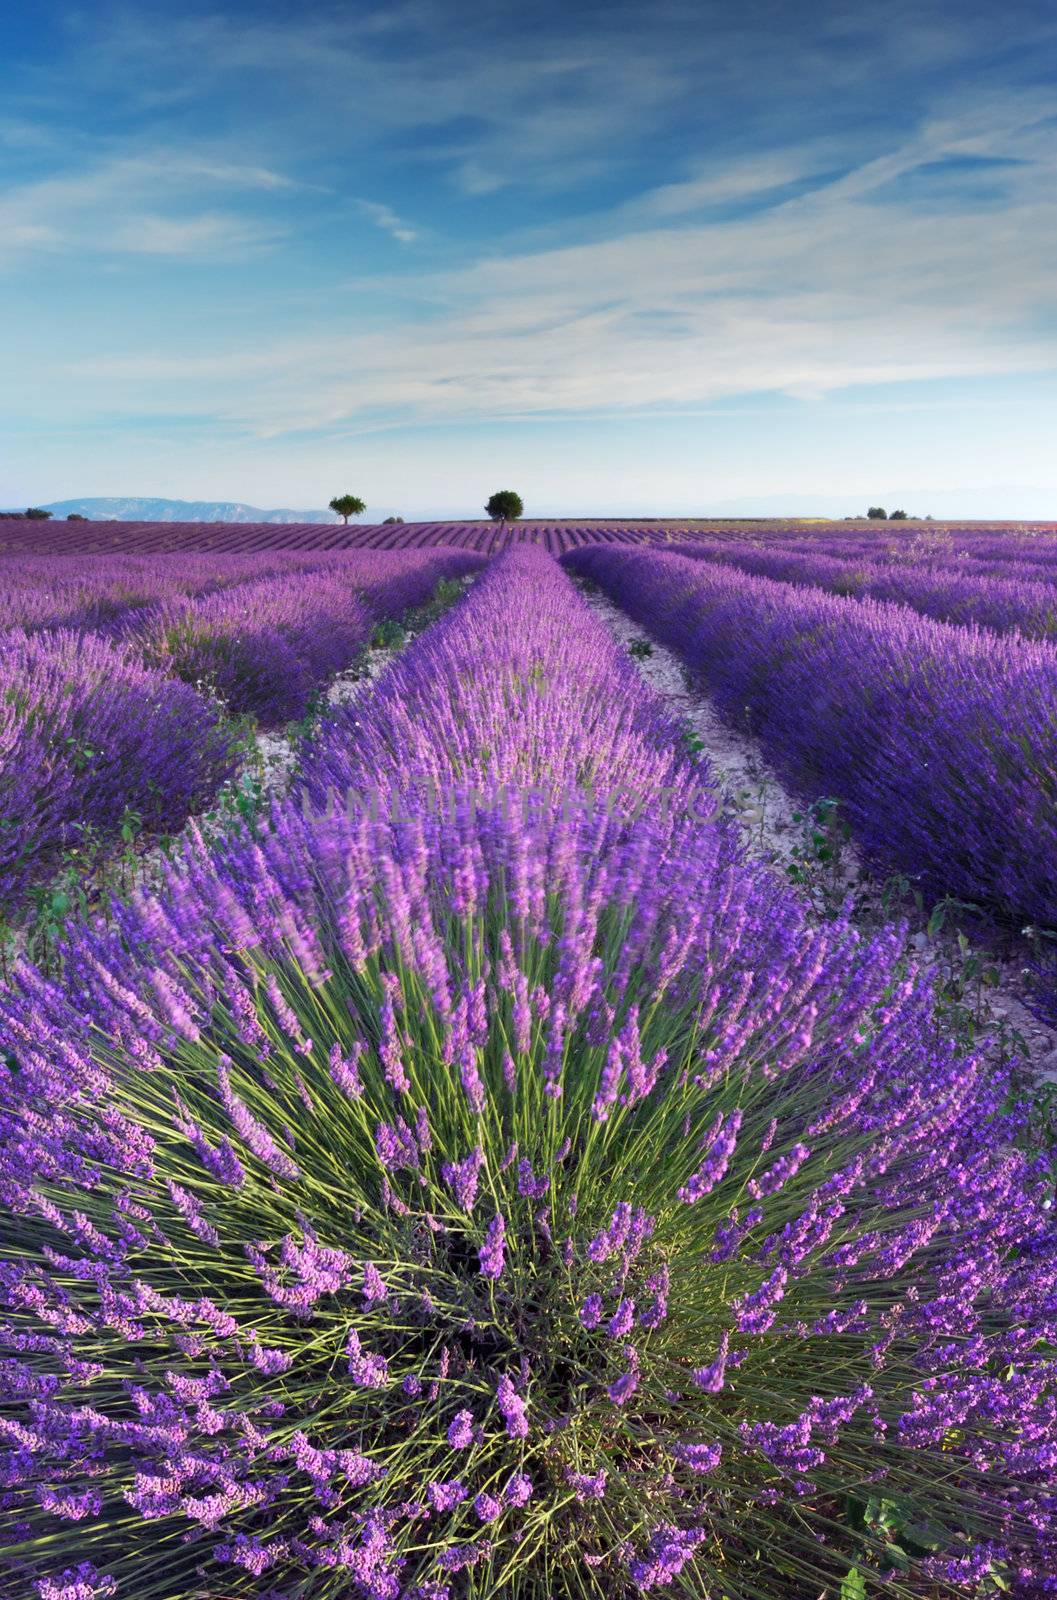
pixel 132 510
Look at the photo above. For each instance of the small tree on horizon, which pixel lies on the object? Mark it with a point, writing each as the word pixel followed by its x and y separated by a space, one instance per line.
pixel 877 513
pixel 37 514
pixel 897 516
pixel 506 505
pixel 348 505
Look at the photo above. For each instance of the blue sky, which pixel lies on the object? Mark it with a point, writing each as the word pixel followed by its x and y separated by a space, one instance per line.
pixel 680 257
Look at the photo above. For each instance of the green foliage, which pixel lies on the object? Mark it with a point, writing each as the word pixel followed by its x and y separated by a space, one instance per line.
pixel 640 649
pixel 817 860
pixel 348 505
pixel 897 516
pixel 1041 1131
pixel 37 514
pixel 389 634
pixel 877 513
pixel 504 506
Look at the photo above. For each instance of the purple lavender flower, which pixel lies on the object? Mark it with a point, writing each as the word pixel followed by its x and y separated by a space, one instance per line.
pixel 460 1430
pixel 487 1507
pixel 82 1582
pixel 622 1320
pixel 622 1388
pixel 513 1408
pixel 591 1311
pixel 711 1377
pixel 462 1177
pixel 669 1550
pixel 368 1371
pixel 528 1184
pixel 373 1287
pixel 698 1457
pixel 518 1490
pixel 467 871
pixel 491 1252
pixel 460 1556
pixel 719 1147
pixel 587 1486
pixel 446 1496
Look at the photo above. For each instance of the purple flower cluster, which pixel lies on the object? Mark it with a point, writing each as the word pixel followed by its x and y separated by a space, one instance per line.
pixel 94 723
pixel 492 1252
pixel 258 1307
pixel 88 733
pixel 99 593
pixel 951 588
pixel 266 647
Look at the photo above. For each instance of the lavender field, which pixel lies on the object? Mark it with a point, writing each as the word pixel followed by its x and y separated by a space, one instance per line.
pixel 510 1156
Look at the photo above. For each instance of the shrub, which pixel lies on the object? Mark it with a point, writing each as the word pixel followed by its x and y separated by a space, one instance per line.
pixel 265 647
pixel 877 513
pixel 87 732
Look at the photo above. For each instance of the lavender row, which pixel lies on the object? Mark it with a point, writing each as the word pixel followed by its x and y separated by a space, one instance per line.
pixel 1011 553
pixel 951 593
pixel 94 729
pixel 95 593
pixel 266 648
pixel 482 1181
pixel 488 700
pixel 166 538
pixel 940 742
pixel 87 735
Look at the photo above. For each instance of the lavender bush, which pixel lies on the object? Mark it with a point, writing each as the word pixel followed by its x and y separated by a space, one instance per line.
pixel 87 732
pixel 952 591
pixel 99 593
pixel 493 1186
pixel 266 647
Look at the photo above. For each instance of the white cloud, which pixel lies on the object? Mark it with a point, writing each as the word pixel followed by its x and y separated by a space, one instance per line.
pixel 820 293
pixel 721 183
pixel 113 206
pixel 200 236
pixel 386 218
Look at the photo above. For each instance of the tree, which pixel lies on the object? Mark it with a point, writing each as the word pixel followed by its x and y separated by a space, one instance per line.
pixel 878 513
pixel 391 519
pixel 897 516
pixel 505 506
pixel 75 516
pixel 35 514
pixel 348 505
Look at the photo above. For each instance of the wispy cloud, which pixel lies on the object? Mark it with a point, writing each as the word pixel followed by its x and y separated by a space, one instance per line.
pixel 114 206
pixel 818 293
pixel 587 212
pixel 386 218
pixel 725 183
